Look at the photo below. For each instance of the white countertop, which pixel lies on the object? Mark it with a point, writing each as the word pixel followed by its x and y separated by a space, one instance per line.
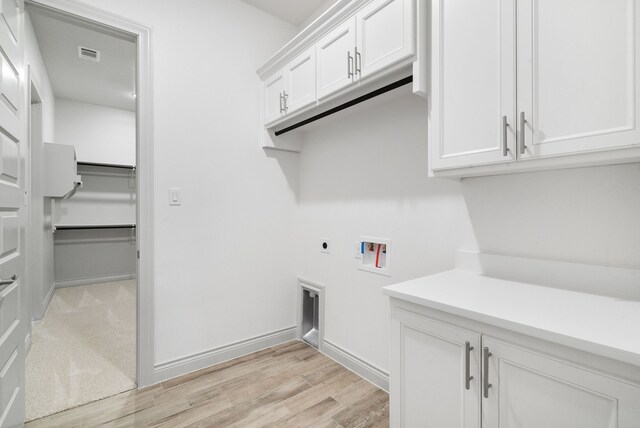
pixel 606 326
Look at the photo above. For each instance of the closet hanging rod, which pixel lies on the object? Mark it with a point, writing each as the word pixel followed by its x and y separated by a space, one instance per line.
pixel 106 165
pixel 94 226
pixel 360 99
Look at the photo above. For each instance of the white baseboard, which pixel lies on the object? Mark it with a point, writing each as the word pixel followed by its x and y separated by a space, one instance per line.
pixel 47 299
pixel 221 354
pixel 94 280
pixel 27 343
pixel 357 365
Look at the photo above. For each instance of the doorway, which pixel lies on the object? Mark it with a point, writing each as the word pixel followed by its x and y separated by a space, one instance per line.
pixel 84 337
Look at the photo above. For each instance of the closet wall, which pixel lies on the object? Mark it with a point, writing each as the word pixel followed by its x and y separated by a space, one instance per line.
pixel 108 195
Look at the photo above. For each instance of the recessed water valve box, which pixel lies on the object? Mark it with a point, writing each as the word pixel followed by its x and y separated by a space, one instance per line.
pixel 376 255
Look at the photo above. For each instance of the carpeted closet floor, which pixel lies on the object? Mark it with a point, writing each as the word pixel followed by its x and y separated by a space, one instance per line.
pixel 83 349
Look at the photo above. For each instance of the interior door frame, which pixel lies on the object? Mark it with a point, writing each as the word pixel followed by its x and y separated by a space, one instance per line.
pixel 145 372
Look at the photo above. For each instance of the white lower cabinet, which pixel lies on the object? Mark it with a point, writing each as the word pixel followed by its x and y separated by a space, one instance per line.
pixel 437 380
pixel 434 374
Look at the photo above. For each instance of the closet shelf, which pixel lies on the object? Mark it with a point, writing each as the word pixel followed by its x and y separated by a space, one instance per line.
pixel 93 226
pixel 106 165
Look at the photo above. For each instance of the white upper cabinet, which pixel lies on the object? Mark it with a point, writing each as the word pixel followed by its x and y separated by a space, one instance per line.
pixel 473 81
pixel 336 56
pixel 385 35
pixel 274 97
pixel 577 68
pixel 300 81
pixel 578 65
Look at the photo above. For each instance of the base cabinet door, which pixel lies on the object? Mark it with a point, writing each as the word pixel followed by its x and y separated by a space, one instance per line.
pixel 530 390
pixel 435 374
pixel 385 35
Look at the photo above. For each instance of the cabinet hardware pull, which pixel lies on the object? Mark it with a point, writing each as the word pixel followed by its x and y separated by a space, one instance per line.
pixel 281 108
pixel 358 62
pixel 522 122
pixel 467 365
pixel 349 65
pixel 285 96
pixel 505 125
pixel 4 283
pixel 485 376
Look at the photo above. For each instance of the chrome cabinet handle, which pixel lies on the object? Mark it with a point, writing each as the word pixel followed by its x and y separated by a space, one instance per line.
pixel 505 125
pixel 485 376
pixel 349 65
pixel 522 122
pixel 467 365
pixel 281 98
pixel 4 283
pixel 285 96
pixel 358 62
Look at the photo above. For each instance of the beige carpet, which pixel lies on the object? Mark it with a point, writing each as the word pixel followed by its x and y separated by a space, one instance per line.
pixel 83 349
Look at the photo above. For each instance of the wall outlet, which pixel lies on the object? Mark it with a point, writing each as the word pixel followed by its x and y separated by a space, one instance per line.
pixel 325 246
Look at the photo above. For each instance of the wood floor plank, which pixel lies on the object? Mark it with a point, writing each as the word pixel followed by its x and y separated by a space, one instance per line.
pixel 290 385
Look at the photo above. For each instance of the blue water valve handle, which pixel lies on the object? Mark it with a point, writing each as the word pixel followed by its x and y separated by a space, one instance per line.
pixel 362 247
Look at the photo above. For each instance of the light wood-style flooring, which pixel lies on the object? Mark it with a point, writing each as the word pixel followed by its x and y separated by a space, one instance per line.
pixel 290 385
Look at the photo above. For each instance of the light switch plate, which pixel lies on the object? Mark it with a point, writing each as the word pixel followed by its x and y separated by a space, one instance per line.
pixel 175 197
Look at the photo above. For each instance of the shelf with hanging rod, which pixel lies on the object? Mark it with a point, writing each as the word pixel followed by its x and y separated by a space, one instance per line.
pixel 93 226
pixel 106 165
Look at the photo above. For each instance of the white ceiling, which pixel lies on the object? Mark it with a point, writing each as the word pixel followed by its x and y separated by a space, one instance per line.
pixel 292 11
pixel 110 82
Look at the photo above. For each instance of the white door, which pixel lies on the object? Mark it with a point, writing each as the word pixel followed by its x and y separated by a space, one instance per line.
pixel 473 83
pixel 274 97
pixel 385 35
pixel 435 380
pixel 300 77
pixel 336 56
pixel 529 390
pixel 578 69
pixel 12 221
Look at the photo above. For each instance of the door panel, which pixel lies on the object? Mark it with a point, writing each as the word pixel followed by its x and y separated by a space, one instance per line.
pixel 530 390
pixel 12 221
pixel 385 35
pixel 300 75
pixel 428 386
pixel 333 52
pixel 473 79
pixel 578 64
pixel 273 89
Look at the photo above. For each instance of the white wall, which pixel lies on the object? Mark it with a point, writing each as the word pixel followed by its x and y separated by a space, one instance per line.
pixel 99 134
pixel 41 272
pixel 223 270
pixel 585 215
pixel 365 173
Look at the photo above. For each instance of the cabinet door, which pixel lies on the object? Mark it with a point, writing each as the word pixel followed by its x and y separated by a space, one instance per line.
pixel 273 103
pixel 473 83
pixel 530 390
pixel 385 35
pixel 429 372
pixel 336 58
pixel 300 75
pixel 578 69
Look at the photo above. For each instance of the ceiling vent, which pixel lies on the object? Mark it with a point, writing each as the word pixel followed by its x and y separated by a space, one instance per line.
pixel 90 54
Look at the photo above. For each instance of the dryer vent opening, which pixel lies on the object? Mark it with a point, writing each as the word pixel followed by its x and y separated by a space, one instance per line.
pixel 310 315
